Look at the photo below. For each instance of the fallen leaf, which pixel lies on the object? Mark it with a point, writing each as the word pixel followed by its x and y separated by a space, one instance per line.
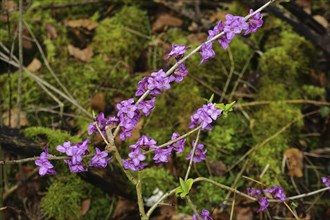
pixel 85 205
pixel 197 38
pixel 295 162
pixel 13 118
pixel 9 6
pixel 243 213
pixel 165 20
pixel 83 55
pixel 98 102
pixel 51 31
pixel 35 65
pixel 84 23
pixel 123 209
pixel 306 5
pixel 320 19
pixel 218 168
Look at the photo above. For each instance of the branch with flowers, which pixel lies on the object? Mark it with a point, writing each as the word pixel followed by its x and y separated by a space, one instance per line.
pixel 129 113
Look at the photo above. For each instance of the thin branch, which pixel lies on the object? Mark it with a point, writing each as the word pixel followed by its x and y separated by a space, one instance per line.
pixel 175 140
pixel 294 101
pixel 45 60
pixel 20 64
pixel 192 155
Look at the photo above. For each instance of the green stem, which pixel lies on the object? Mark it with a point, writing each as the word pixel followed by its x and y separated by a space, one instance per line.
pixel 138 187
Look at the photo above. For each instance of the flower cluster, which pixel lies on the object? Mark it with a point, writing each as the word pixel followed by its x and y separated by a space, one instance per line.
pixel 101 122
pixel 76 152
pixel 136 156
pixel 45 167
pixel 232 26
pixel 199 153
pixel 276 192
pixel 205 215
pixel 326 180
pixel 205 116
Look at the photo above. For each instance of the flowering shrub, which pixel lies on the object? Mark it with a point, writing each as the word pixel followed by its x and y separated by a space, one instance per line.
pixel 130 111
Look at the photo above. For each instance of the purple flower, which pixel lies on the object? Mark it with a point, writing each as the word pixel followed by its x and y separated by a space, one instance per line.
pixel 179 73
pixel 146 106
pixel 254 22
pixel 205 215
pixel 129 164
pixel 223 40
pixel 66 148
pixel 126 107
pixel 136 156
pixel 83 146
pixel 99 160
pixel 128 124
pixel 234 25
pixel 253 192
pixel 199 153
pixel 76 156
pixel 162 155
pixel 158 82
pixel 75 168
pixel 212 111
pixel 204 116
pixel 177 51
pixel 277 192
pixel 179 145
pixel 326 180
pixel 263 202
pixel 101 122
pixel 206 52
pixel 144 143
pixel 45 167
pixel 142 87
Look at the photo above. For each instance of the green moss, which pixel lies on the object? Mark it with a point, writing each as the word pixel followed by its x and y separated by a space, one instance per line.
pixel 53 137
pixel 313 92
pixel 153 178
pixel 101 205
pixel 63 198
pixel 113 39
pixel 278 63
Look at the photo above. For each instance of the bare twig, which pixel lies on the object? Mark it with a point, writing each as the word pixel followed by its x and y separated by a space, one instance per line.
pixel 192 155
pixel 20 63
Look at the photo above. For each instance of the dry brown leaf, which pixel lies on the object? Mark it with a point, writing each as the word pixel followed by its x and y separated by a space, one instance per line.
pixel 83 55
pixel 295 162
pixel 320 19
pixel 123 208
pixel 9 6
pixel 35 65
pixel 51 31
pixel 243 213
pixel 85 205
pixel 218 168
pixel 84 23
pixel 306 5
pixel 13 118
pixel 165 20
pixel 98 102
pixel 197 38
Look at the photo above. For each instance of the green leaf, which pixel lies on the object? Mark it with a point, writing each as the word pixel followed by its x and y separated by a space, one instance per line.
pixel 220 106
pixel 178 191
pixel 189 184
pixel 229 107
pixel 324 111
pixel 211 98
pixel 183 185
